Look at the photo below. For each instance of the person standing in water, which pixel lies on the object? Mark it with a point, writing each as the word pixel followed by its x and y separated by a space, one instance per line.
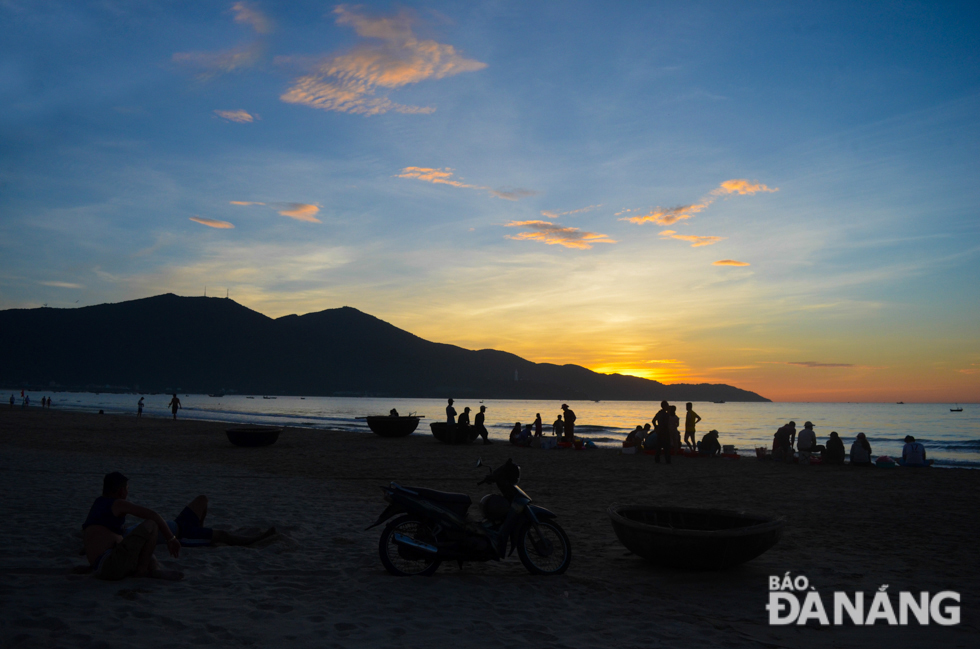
pixel 174 406
pixel 450 414
pixel 689 425
pixel 139 409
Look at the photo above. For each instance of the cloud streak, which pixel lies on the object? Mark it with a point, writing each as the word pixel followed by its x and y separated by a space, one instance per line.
pixel 245 203
pixel 236 59
pixel 239 116
pixel 213 223
pixel 814 364
pixel 554 215
pixel 554 234
pixel 439 176
pixel 730 262
pixel 392 58
pixel 61 284
pixel 671 215
pixel 301 212
pixel 246 14
pixel 695 240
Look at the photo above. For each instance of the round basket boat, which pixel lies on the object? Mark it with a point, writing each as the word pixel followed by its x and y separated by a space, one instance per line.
pixel 453 434
pixel 693 539
pixel 254 436
pixel 387 426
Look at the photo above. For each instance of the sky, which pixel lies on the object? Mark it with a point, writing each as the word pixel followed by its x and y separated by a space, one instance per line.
pixel 778 196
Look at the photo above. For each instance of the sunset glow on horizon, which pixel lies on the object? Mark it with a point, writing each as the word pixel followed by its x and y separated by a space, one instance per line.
pixel 780 198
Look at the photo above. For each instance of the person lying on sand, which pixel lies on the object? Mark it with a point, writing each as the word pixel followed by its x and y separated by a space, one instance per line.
pixel 104 533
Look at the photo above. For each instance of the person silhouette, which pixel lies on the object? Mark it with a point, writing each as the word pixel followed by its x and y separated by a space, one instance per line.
pixel 689 425
pixel 569 422
pixel 450 414
pixel 661 431
pixel 139 409
pixel 558 427
pixel 464 419
pixel 174 406
pixel 480 427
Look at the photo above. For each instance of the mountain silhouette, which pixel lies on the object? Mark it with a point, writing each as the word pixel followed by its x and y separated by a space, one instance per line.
pixel 205 345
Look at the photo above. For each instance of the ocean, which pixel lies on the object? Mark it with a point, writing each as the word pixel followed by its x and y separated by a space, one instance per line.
pixel 952 439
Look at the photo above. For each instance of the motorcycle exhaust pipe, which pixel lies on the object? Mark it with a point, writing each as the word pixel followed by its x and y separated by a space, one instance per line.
pixel 401 539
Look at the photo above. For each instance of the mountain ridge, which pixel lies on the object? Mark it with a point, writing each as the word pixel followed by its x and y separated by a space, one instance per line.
pixel 199 344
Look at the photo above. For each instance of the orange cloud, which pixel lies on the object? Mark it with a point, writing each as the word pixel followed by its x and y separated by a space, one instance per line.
pixel 696 241
pixel 301 212
pixel 730 262
pixel 741 186
pixel 445 177
pixel 814 364
pixel 213 223
pixel 555 215
pixel 347 83
pixel 240 116
pixel 245 203
pixel 249 15
pixel 553 234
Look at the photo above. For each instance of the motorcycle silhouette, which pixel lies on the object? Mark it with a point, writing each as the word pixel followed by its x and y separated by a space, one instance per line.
pixel 435 526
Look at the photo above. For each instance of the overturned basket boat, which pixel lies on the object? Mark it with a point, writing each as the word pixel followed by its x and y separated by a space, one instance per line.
pixel 453 434
pixel 693 539
pixel 388 426
pixel 253 436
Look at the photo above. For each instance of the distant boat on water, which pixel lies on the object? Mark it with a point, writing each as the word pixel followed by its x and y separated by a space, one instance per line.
pixel 900 403
pixel 719 402
pixel 956 409
pixel 217 395
pixel 269 397
pixel 249 397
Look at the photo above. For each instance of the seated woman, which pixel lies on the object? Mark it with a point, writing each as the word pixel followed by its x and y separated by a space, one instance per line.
pixel 520 436
pixel 861 451
pixel 834 451
pixel 635 438
pixel 709 444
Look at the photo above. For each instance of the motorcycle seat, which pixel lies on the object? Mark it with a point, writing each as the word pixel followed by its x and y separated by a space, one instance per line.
pixel 445 497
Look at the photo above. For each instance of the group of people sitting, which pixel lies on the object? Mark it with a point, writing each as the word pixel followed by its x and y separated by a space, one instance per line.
pixel 662 435
pixel 913 454
pixel 563 429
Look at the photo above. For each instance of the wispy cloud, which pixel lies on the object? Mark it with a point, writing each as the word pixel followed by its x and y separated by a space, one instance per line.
pixel 61 284
pixel 301 212
pixel 814 364
pixel 213 223
pixel 695 240
pixel 245 203
pixel 444 176
pixel 554 215
pixel 246 14
pixel 235 59
pixel 240 116
pixel 393 58
pixel 730 262
pixel 671 215
pixel 554 234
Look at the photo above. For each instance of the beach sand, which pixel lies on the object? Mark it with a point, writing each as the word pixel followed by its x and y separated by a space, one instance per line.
pixel 320 582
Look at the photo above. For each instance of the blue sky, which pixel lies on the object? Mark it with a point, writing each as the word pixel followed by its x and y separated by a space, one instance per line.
pixel 465 171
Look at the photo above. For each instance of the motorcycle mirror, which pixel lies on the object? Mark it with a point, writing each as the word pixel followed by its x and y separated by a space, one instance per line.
pixel 479 463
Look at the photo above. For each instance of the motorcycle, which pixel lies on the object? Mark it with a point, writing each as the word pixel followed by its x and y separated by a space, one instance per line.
pixel 435 526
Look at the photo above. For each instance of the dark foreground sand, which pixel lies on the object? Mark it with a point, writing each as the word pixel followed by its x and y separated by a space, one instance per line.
pixel 320 583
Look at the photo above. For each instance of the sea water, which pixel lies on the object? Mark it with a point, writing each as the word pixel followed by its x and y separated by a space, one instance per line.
pixel 950 438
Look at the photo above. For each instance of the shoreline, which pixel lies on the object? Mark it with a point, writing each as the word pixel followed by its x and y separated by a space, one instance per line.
pixel 846 529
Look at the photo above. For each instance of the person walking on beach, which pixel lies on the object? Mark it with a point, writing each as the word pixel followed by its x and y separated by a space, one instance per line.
pixel 139 409
pixel 689 426
pixel 661 432
pixel 569 423
pixel 481 428
pixel 538 425
pixel 26 402
pixel 558 428
pixel 450 414
pixel 174 406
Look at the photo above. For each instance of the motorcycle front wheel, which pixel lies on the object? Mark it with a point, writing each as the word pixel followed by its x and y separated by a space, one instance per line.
pixel 403 560
pixel 545 551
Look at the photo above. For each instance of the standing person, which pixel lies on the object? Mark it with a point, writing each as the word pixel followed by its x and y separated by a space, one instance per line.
pixel 174 406
pixel 480 427
pixel 661 431
pixel 782 442
pixel 450 414
pixel 538 426
pixel 27 401
pixel 139 409
pixel 11 401
pixel 558 427
pixel 675 433
pixel 689 425
pixel 569 423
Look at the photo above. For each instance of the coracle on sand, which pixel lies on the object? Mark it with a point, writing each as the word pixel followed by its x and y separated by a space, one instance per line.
pixel 254 436
pixel 693 539
pixel 453 434
pixel 388 426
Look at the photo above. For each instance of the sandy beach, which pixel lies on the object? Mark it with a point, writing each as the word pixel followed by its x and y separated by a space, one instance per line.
pixel 320 583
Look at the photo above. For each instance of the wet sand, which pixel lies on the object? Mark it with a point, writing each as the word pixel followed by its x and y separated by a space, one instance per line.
pixel 320 582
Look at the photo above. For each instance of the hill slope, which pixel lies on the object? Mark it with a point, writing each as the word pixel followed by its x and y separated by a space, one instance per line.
pixel 198 344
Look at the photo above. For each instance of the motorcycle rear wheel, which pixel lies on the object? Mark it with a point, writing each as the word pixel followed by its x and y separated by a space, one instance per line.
pixel 546 551
pixel 403 561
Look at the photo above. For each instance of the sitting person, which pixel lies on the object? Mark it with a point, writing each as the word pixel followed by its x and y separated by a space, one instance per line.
pixel 392 413
pixel 515 432
pixel 782 442
pixel 115 552
pixel 635 438
pixel 709 445
pixel 914 453
pixel 806 443
pixel 861 451
pixel 834 453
